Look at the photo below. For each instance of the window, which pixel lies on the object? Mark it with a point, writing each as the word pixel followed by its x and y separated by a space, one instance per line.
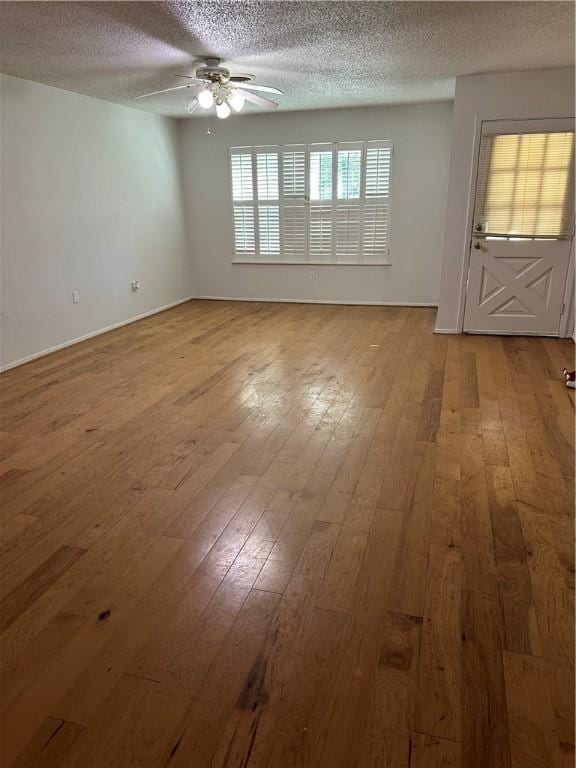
pixel 321 174
pixel 525 185
pixel 316 203
pixel 349 168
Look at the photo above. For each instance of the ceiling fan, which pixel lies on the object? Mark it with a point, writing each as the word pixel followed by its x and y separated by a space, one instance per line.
pixel 214 85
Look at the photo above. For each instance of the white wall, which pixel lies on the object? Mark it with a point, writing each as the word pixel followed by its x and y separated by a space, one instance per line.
pixel 90 200
pixel 421 135
pixel 515 95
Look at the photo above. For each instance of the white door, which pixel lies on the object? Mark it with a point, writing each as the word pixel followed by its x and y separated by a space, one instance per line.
pixel 523 222
pixel 516 286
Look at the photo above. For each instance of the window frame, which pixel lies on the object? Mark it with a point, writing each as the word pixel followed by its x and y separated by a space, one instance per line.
pixel 334 203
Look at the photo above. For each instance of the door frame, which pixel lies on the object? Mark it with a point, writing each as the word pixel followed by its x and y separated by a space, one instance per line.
pixel 567 318
pixel 566 327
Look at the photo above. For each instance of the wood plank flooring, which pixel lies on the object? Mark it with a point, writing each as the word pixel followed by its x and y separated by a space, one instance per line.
pixel 248 535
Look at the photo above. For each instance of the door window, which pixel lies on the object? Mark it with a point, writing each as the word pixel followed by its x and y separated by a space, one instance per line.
pixel 525 185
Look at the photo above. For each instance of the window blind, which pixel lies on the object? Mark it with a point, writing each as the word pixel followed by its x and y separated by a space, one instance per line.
pixel 348 207
pixel 378 162
pixel 294 171
pixel 525 185
pixel 376 230
pixel 294 204
pixel 321 233
pixel 267 175
pixel 375 234
pixel 267 183
pixel 295 228
pixel 348 225
pixel 317 203
pixel 269 230
pixel 242 188
pixel 245 244
pixel 244 235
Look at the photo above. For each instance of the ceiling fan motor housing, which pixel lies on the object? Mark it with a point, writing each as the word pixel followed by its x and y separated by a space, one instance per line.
pixel 215 74
pixel 212 71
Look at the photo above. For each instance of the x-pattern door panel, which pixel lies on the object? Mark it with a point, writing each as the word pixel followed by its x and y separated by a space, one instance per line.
pixel 516 286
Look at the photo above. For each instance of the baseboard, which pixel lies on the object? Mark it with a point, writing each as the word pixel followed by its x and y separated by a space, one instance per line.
pixel 108 328
pixel 447 330
pixel 499 333
pixel 87 336
pixel 349 303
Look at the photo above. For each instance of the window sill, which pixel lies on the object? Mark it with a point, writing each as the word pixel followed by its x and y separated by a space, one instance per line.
pixel 237 262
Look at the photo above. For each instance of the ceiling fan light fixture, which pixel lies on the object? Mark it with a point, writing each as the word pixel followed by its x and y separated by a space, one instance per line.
pixel 215 86
pixel 236 100
pixel 222 110
pixel 206 98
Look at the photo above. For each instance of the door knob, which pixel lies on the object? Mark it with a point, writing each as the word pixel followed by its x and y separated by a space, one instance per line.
pixel 477 246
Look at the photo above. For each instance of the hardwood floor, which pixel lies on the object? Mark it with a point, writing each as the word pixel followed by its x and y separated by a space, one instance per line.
pixel 252 535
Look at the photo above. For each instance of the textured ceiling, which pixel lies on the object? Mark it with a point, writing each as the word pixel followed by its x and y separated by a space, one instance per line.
pixel 321 54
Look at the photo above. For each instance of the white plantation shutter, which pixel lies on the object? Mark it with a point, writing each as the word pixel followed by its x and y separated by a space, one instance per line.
pixel 348 202
pixel 267 176
pixel 348 223
pixel 295 232
pixel 269 230
pixel 375 233
pixel 321 171
pixel 294 210
pixel 241 167
pixel 320 242
pixel 376 225
pixel 349 170
pixel 316 203
pixel 321 194
pixel 378 162
pixel 242 185
pixel 244 232
pixel 294 171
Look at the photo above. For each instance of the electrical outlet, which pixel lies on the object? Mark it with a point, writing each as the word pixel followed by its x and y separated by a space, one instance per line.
pixel 75 297
pixel 312 274
pixel 135 285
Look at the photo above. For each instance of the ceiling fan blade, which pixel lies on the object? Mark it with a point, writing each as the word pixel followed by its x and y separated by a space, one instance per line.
pixel 260 100
pixel 197 80
pixel 264 88
pixel 240 77
pixel 164 90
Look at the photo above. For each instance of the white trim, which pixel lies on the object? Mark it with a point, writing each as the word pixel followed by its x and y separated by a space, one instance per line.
pixel 314 263
pixel 344 302
pixel 528 125
pixel 469 221
pixel 447 330
pixel 532 334
pixel 91 335
pixel 568 298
